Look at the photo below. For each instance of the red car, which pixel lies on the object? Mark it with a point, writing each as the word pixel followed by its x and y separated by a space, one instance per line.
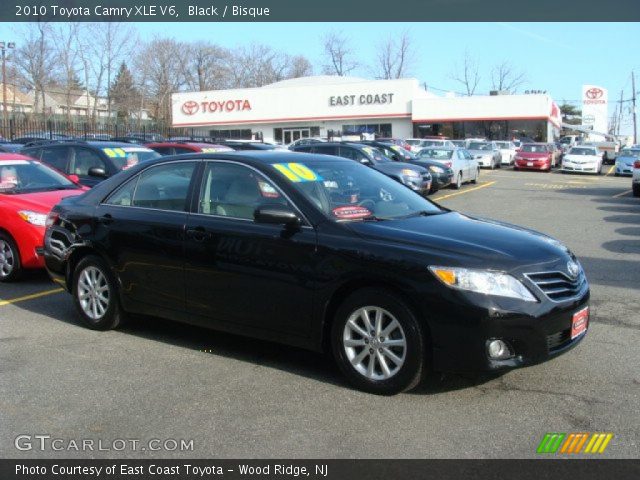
pixel 177 148
pixel 28 191
pixel 534 156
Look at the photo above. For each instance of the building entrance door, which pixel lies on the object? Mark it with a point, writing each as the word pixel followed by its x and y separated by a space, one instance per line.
pixel 292 134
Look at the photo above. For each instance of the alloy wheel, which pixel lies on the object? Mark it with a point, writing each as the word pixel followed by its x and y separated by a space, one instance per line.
pixel 374 343
pixel 93 292
pixel 7 259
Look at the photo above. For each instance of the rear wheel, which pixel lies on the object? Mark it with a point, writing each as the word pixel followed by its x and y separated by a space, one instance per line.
pixel 458 183
pixel 477 175
pixel 10 266
pixel 95 294
pixel 378 343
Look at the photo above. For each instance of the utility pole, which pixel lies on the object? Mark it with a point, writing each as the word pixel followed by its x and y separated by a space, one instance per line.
pixel 633 105
pixel 619 122
pixel 4 47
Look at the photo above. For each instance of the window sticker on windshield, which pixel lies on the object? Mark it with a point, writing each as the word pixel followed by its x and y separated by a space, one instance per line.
pixel 396 148
pixel 216 149
pixel 133 149
pixel 114 152
pixel 369 150
pixel 297 172
pixel 352 212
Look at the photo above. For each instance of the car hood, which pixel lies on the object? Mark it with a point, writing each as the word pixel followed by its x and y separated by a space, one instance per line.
pixel 453 239
pixel 581 158
pixel 484 153
pixel 533 154
pixel 397 167
pixel 41 202
pixel 627 160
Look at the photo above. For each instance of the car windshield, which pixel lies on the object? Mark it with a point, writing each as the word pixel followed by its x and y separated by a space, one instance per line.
pixel 413 141
pixel 26 176
pixel 348 191
pixel 504 145
pixel 376 155
pixel 582 151
pixel 534 149
pixel 436 153
pixel 127 157
pixel 480 146
pixel 630 153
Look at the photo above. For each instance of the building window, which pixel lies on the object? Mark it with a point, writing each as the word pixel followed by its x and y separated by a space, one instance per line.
pixel 489 129
pixel 244 134
pixel 277 134
pixel 378 129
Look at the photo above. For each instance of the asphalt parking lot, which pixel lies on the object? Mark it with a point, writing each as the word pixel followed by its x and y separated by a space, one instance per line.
pixel 236 397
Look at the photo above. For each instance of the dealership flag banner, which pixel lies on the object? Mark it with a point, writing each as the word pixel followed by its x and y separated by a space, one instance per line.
pixel 595 105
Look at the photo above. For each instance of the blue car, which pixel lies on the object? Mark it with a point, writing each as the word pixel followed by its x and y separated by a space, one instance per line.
pixel 625 159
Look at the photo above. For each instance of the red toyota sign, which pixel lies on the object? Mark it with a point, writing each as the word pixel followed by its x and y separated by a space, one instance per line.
pixel 593 93
pixel 190 107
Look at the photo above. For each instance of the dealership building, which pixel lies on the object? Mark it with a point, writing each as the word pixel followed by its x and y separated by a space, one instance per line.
pixel 346 106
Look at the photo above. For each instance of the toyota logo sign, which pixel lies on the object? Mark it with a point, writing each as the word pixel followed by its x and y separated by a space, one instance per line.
pixel 594 93
pixel 190 107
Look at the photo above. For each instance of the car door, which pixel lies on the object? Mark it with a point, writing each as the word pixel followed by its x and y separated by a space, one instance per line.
pixel 83 160
pixel 144 221
pixel 471 164
pixel 241 272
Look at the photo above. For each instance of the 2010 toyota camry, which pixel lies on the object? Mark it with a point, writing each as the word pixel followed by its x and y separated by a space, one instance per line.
pixel 318 252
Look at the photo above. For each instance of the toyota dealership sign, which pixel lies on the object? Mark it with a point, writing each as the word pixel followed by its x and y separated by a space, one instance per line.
pixel 595 104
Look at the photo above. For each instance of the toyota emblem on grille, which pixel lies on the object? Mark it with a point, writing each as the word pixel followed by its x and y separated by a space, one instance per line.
pixel 573 268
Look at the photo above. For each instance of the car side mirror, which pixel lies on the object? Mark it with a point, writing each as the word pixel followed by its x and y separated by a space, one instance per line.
pixel 277 215
pixel 365 161
pixel 74 178
pixel 97 172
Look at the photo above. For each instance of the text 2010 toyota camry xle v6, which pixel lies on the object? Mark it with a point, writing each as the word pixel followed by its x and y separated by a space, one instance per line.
pixel 319 252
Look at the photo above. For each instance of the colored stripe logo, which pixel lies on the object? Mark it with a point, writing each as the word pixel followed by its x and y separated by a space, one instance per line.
pixel 573 443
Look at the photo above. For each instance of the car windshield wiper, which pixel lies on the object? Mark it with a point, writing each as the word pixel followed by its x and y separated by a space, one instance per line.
pixel 424 213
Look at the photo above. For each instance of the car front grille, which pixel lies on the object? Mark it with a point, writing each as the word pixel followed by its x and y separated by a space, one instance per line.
pixel 558 340
pixel 557 286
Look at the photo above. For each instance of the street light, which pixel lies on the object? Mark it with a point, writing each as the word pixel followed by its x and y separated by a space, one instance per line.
pixel 3 47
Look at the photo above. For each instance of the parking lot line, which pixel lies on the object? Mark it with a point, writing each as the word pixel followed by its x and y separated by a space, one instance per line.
pixel 621 194
pixel 610 170
pixel 30 297
pixel 488 184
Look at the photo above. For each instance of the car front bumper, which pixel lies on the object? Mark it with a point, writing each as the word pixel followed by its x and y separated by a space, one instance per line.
pixel 533 164
pixel 624 169
pixel 441 180
pixel 460 339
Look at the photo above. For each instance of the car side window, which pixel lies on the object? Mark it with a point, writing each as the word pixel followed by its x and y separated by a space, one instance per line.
pixel 85 160
pixel 123 196
pixel 326 150
pixel 57 157
pixel 181 150
pixel 164 150
pixel 164 187
pixel 230 190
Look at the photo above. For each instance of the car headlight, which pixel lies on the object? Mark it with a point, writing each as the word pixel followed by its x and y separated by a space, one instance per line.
pixel 483 281
pixel 407 172
pixel 435 169
pixel 34 218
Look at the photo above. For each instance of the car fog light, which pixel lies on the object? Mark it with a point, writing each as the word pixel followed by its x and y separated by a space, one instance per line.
pixel 499 350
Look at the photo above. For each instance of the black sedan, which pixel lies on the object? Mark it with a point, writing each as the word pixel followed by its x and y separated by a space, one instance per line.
pixel 321 253
pixel 441 175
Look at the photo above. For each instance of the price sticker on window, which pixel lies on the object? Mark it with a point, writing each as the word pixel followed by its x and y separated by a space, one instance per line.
pixel 297 172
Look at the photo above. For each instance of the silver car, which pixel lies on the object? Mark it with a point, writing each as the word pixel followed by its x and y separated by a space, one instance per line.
pixel 487 154
pixel 465 167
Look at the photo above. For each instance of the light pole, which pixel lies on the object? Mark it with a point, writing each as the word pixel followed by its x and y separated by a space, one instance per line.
pixel 3 47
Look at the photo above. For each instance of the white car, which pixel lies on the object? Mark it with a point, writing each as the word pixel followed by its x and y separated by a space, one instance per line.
pixel 635 179
pixel 465 167
pixel 418 144
pixel 508 152
pixel 582 158
pixel 487 154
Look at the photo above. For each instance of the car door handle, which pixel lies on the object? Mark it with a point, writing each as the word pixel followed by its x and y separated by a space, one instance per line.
pixel 106 219
pixel 199 234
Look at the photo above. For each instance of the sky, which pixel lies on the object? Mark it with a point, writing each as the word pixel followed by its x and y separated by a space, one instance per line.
pixel 556 57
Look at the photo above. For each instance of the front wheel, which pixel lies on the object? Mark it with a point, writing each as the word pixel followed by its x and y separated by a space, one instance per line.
pixel 475 179
pixel 458 183
pixel 378 343
pixel 10 266
pixel 95 294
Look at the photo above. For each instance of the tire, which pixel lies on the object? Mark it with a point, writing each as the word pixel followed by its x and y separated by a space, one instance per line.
pixel 10 264
pixel 475 179
pixel 458 183
pixel 636 189
pixel 599 172
pixel 90 274
pixel 515 169
pixel 410 356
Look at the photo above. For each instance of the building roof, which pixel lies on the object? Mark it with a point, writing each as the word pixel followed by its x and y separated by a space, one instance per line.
pixel 316 80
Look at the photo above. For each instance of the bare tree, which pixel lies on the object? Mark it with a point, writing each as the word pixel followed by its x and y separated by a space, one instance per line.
pixel 35 61
pixel 395 57
pixel 205 66
pixel 467 74
pixel 159 73
pixel 299 66
pixel 338 54
pixel 67 54
pixel 257 65
pixel 504 76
